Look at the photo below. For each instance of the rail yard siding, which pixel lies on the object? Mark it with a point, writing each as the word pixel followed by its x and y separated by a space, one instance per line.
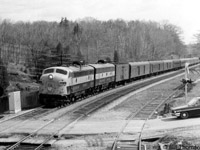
pixel 29 100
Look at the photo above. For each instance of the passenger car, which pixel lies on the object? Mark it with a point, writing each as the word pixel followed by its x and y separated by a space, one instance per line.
pixel 156 67
pixel 168 65
pixel 121 73
pixel 139 69
pixel 191 109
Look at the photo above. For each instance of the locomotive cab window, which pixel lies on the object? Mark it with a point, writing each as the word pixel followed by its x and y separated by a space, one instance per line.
pixel 48 71
pixel 61 71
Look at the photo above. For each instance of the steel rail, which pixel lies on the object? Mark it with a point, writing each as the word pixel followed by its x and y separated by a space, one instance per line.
pixel 29 112
pixel 138 111
pixel 53 120
pixel 31 134
pixel 72 122
pixel 19 123
pixel 19 142
pixel 80 117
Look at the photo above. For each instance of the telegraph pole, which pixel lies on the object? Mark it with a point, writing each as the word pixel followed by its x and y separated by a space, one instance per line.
pixel 186 79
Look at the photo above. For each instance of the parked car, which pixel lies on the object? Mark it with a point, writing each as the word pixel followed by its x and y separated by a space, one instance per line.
pixel 191 109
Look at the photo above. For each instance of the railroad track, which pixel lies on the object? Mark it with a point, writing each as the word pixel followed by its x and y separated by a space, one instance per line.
pixel 27 113
pixel 27 147
pixel 82 112
pixel 147 111
pixel 13 123
pixel 35 112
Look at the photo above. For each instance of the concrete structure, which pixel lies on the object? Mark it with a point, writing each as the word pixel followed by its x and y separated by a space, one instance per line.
pixel 14 102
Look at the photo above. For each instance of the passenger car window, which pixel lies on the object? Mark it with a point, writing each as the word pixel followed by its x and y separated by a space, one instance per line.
pixel 61 71
pixel 48 71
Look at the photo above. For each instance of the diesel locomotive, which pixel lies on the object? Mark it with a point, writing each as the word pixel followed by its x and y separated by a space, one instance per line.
pixel 66 84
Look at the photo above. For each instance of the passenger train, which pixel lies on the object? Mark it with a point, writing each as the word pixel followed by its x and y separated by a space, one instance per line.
pixel 66 84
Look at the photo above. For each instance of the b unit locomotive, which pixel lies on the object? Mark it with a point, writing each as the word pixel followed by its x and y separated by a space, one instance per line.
pixel 62 84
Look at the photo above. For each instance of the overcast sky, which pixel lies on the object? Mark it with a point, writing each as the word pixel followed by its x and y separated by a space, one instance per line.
pixel 183 13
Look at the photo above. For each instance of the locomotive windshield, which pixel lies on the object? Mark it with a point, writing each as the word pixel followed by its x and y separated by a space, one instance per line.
pixel 61 71
pixel 48 71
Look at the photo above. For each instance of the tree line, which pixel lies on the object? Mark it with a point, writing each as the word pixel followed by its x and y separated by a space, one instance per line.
pixel 41 44
pixel 194 49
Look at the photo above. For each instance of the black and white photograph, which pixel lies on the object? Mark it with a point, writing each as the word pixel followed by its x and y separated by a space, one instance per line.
pixel 99 75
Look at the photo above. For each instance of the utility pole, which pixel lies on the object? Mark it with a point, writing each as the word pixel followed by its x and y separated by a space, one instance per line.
pixel 186 79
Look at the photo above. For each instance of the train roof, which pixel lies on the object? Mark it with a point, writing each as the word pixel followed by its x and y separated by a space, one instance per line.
pixel 168 60
pixel 80 68
pixel 56 67
pixel 139 63
pixel 156 61
pixel 102 65
pixel 188 58
pixel 72 68
pixel 177 60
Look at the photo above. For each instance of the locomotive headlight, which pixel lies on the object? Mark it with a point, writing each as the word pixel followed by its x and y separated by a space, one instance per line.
pixel 51 77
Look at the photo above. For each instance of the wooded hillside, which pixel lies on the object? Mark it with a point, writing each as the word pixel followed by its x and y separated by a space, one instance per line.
pixel 41 44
